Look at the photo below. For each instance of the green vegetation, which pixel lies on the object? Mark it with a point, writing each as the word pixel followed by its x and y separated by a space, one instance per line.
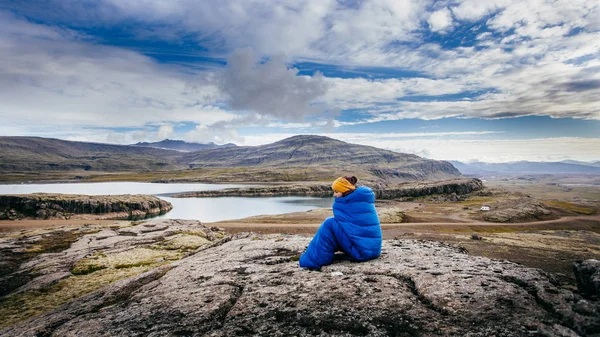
pixel 48 242
pixel 90 273
pixel 131 258
pixel 570 207
pixel 475 201
pixel 25 305
pixel 95 272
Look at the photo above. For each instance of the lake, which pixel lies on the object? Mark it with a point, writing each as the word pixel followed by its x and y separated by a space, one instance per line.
pixel 203 209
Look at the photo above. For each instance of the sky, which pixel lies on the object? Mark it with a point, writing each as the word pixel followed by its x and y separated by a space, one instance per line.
pixel 467 80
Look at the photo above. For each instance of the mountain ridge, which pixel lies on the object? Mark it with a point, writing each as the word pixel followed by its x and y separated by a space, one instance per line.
pixel 180 145
pixel 35 154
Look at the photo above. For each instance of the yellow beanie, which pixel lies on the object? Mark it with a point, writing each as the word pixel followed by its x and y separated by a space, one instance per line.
pixel 342 185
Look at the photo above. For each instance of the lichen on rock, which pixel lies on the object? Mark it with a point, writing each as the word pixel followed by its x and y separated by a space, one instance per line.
pixel 53 277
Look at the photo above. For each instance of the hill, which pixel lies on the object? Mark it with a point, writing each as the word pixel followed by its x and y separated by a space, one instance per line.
pixel 47 154
pixel 180 145
pixel 306 153
pixel 310 150
pixel 522 167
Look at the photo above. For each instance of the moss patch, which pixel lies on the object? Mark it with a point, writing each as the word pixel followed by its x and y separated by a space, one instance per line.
pixel 48 242
pixel 25 305
pixel 184 242
pixel 132 258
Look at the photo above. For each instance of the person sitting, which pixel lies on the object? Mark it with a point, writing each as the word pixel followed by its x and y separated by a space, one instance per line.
pixel 354 228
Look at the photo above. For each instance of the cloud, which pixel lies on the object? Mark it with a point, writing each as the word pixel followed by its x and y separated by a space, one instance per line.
pixel 582 85
pixel 270 89
pixel 219 134
pixel 50 75
pixel 473 10
pixel 440 21
pixel 164 131
pixel 529 58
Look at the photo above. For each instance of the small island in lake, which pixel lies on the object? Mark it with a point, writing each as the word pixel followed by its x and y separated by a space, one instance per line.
pixel 69 206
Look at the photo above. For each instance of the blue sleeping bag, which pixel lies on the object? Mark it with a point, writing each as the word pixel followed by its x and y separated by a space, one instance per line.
pixel 353 229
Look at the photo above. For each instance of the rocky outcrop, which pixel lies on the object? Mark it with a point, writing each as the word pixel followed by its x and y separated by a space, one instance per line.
pixel 38 267
pixel 587 274
pixel 65 206
pixel 520 210
pixel 406 190
pixel 252 285
pixel 459 186
pixel 512 207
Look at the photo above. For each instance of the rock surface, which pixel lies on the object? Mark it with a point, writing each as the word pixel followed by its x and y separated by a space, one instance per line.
pixel 65 206
pixel 97 249
pixel 587 274
pixel 252 285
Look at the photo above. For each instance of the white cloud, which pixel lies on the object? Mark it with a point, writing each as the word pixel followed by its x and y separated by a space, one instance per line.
pixel 494 151
pixel 270 89
pixel 48 77
pixel 473 10
pixel 165 131
pixel 213 133
pixel 440 21
pixel 530 62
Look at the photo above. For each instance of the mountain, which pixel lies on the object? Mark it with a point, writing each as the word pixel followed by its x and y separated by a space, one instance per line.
pixel 310 150
pixel 47 154
pixel 522 167
pixel 307 153
pixel 180 145
pixel 595 164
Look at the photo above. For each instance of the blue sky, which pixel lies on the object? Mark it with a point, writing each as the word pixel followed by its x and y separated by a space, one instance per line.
pixel 467 80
